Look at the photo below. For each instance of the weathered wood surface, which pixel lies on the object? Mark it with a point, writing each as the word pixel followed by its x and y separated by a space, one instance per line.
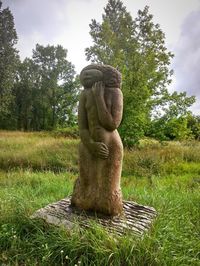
pixel 136 218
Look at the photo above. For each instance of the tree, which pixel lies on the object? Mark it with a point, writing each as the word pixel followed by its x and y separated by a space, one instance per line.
pixel 46 90
pixel 27 96
pixel 137 48
pixel 8 64
pixel 170 120
pixel 193 123
pixel 68 103
pixel 57 82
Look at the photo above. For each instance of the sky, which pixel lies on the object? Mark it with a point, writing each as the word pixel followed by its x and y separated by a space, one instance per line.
pixel 66 22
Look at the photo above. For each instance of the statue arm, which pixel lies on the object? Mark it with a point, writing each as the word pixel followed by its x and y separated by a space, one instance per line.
pixel 109 120
pixel 98 149
pixel 83 122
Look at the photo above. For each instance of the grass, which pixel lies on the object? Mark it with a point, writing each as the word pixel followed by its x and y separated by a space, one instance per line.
pixel 165 176
pixel 37 151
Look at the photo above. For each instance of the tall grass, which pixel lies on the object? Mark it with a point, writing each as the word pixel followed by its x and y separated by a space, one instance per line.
pixel 42 151
pixel 37 151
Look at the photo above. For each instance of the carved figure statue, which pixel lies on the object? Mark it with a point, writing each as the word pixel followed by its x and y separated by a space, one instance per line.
pixel 100 152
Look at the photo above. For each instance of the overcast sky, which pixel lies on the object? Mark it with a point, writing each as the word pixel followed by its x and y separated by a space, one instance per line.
pixel 66 22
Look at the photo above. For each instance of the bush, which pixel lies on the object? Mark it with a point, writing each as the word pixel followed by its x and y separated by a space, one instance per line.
pixel 68 132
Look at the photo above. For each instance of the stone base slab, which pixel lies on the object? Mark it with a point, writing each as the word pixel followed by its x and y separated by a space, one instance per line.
pixel 135 219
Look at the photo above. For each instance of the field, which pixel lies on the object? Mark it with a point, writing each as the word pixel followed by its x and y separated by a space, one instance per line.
pixel 39 168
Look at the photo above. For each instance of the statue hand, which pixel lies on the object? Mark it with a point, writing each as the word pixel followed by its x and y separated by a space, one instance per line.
pixel 99 149
pixel 98 88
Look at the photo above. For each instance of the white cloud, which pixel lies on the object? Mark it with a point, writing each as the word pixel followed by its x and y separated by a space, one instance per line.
pixel 187 57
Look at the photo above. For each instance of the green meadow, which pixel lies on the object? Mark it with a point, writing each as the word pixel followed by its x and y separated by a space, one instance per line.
pixel 40 168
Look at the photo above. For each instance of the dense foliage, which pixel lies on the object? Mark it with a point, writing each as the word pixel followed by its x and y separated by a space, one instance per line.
pixel 8 63
pixel 46 90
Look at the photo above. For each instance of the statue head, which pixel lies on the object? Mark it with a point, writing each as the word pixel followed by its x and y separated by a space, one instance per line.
pixel 95 72
pixel 89 76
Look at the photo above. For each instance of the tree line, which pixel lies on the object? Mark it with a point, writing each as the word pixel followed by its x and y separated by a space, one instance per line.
pixel 41 93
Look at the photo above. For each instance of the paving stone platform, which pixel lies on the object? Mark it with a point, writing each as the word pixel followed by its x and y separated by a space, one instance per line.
pixel 136 218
